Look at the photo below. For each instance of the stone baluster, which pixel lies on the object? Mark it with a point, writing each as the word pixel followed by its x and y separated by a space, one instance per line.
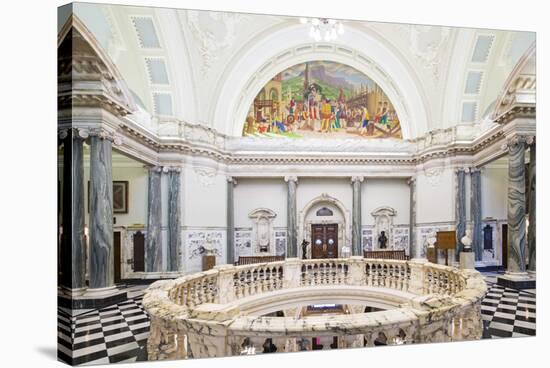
pixel 174 218
pixel 292 229
pixel 153 253
pixel 532 195
pixel 357 250
pixel 73 247
pixel 231 182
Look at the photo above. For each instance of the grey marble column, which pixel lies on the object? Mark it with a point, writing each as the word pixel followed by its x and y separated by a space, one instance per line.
pixel 231 182
pixel 292 229
pixel 532 234
pixel 414 252
pixel 516 205
pixel 460 210
pixel 174 219
pixel 356 217
pixel 153 245
pixel 475 210
pixel 73 247
pixel 101 213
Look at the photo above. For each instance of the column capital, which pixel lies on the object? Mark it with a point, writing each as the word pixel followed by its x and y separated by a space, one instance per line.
pixel 291 178
pixel 515 140
pixel 231 179
pixel 167 169
pixel 357 178
pixel 475 170
pixel 153 168
pixel 411 180
pixel 75 132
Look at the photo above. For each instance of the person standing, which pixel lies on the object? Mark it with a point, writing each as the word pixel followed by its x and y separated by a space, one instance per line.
pixel 365 121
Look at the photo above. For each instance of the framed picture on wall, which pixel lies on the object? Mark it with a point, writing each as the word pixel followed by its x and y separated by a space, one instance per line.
pixel 120 196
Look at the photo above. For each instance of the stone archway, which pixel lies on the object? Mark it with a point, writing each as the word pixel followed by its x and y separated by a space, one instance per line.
pixel 308 216
pixel 290 45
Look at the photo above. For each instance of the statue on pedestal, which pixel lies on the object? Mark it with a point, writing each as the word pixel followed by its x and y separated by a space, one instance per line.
pixel 305 243
pixel 382 240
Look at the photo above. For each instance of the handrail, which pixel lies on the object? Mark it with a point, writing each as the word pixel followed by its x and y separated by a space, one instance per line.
pixel 444 305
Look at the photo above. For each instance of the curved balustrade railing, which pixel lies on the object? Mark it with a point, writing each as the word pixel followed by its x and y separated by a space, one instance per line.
pixel 198 315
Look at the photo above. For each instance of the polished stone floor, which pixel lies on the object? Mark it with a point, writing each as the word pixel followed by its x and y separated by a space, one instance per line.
pixel 119 333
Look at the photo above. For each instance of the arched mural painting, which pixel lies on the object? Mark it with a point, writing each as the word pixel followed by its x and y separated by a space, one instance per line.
pixel 322 99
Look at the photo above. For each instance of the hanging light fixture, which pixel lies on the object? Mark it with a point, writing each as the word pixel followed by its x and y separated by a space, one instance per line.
pixel 323 28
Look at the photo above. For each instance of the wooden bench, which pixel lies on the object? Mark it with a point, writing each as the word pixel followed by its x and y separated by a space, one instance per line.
pixel 258 259
pixel 386 254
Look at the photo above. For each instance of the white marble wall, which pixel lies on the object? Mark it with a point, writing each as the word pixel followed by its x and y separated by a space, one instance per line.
pixel 195 243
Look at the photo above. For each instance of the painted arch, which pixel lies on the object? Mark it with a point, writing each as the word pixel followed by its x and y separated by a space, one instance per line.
pixel 322 99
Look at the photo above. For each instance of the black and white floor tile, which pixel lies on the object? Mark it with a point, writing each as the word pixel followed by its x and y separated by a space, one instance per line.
pixel 113 334
pixel 508 312
pixel 119 333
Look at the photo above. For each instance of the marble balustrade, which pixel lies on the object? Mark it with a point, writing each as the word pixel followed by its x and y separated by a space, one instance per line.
pixel 202 310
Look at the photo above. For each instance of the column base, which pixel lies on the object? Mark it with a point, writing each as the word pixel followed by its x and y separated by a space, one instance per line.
pixel 517 280
pixel 91 298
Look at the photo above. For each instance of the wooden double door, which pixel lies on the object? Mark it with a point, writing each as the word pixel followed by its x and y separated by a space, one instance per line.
pixel 324 241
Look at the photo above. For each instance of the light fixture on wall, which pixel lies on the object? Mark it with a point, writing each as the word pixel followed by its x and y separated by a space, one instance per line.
pixel 323 28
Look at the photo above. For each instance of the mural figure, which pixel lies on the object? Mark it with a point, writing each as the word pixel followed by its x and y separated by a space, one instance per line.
pixel 322 99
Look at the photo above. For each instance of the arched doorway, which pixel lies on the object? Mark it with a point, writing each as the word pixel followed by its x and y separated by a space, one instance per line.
pixel 324 219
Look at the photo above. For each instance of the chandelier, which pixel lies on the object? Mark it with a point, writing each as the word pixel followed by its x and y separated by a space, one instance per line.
pixel 323 28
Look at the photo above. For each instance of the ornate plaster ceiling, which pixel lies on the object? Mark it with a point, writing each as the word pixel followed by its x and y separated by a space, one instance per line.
pixel 211 59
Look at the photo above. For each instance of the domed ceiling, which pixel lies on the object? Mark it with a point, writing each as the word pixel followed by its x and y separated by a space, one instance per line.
pixel 208 68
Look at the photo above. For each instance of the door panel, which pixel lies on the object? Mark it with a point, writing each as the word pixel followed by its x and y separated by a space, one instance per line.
pixel 139 252
pixel 324 241
pixel 116 246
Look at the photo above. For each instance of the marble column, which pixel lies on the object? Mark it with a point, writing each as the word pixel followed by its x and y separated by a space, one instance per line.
pixel 174 218
pixel 475 210
pixel 532 234
pixel 101 213
pixel 292 229
pixel 356 217
pixel 414 252
pixel 73 247
pixel 231 182
pixel 460 209
pixel 153 242
pixel 516 205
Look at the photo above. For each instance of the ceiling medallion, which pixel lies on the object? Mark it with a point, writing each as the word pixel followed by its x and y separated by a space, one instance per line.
pixel 323 28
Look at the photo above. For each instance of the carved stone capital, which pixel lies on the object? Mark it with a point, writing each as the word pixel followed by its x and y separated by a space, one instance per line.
pixel 232 180
pixel 515 140
pixel 360 179
pixel 411 180
pixel 75 132
pixel 291 178
pixel 154 168
pixel 167 169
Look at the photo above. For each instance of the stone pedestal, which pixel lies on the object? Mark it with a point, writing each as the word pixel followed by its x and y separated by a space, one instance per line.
pixel 467 260
pixel 91 298
pixel 517 280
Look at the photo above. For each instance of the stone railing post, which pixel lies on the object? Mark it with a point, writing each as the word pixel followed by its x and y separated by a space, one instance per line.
pixel 292 271
pixel 356 270
pixel 416 285
pixel 225 283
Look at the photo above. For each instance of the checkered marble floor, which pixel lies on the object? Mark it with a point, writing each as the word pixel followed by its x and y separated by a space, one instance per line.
pixel 119 333
pixel 113 334
pixel 508 312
